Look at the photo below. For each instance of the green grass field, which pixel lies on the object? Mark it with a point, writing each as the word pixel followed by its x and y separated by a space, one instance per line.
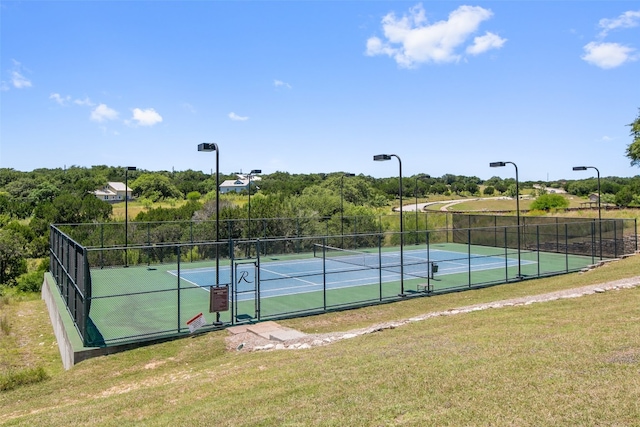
pixel 566 362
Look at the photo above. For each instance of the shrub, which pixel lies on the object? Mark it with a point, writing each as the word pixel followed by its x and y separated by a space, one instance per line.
pixel 30 282
pixel 549 201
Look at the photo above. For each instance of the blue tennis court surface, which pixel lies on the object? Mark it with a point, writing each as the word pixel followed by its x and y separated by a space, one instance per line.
pixel 289 277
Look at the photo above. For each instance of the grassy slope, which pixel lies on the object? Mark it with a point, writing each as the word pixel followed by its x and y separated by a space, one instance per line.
pixel 568 362
pixel 414 375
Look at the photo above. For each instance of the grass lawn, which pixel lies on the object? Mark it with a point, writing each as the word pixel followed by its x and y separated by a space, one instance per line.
pixel 566 362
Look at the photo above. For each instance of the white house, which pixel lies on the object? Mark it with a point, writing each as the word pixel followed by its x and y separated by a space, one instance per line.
pixel 113 192
pixel 241 183
pixel 236 185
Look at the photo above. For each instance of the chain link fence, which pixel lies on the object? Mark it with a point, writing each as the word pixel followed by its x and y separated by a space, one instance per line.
pixel 171 272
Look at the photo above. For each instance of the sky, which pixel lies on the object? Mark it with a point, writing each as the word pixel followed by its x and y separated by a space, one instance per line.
pixel 322 86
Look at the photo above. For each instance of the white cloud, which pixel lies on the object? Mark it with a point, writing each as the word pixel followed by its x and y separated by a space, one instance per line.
pixel 86 102
pixel 628 19
pixel 410 40
pixel 19 81
pixel 280 83
pixel 66 100
pixel 103 113
pixel 60 99
pixel 608 55
pixel 234 116
pixel 148 117
pixel 484 43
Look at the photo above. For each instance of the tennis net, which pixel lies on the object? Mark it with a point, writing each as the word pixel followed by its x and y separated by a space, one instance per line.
pixel 417 266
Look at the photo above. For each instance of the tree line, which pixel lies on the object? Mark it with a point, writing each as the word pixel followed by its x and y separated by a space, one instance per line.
pixel 31 201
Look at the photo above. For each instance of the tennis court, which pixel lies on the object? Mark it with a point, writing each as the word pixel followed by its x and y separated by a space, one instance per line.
pixel 121 294
pixel 156 300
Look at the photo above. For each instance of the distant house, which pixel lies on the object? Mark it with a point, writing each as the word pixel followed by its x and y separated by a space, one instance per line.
pixel 113 192
pixel 235 185
pixel 238 185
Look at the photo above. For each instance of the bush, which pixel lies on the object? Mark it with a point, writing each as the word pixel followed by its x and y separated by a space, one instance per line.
pixel 194 196
pixel 549 201
pixel 30 282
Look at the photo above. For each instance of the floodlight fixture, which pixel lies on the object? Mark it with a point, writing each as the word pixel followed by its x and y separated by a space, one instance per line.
pixel 381 157
pixel 207 146
pixel 497 164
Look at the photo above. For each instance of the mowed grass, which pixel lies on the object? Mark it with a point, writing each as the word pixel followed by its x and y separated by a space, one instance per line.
pixel 567 362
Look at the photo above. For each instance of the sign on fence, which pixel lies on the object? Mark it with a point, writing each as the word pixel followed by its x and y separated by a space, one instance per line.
pixel 196 323
pixel 219 299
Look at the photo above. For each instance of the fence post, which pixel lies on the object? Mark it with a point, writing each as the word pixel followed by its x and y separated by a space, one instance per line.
pixel 506 256
pixel 538 247
pixel 429 266
pixel 593 242
pixel 232 284
pixel 177 248
pixel 257 304
pixel 566 246
pixel 101 245
pixel 87 293
pixel 324 274
pixel 615 240
pixel 380 265
pixel 469 253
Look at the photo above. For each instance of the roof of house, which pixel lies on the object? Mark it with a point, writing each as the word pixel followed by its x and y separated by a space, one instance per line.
pixel 118 186
pixel 235 183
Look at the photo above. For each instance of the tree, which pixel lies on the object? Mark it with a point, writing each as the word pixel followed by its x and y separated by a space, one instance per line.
pixel 633 150
pixel 94 209
pixel 624 197
pixel 155 186
pixel 12 252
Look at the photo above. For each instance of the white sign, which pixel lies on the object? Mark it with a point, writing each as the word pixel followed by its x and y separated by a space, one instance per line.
pixel 196 323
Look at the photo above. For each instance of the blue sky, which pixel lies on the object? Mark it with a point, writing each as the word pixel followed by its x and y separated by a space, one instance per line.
pixel 305 87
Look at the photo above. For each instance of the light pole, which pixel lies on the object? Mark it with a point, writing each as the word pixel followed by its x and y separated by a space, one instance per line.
pixel 208 147
pixel 126 213
pixel 381 158
pixel 342 206
pixel 501 164
pixel 584 168
pixel 253 171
